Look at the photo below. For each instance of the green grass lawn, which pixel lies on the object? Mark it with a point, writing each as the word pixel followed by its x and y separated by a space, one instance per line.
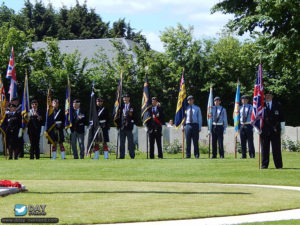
pixel 101 191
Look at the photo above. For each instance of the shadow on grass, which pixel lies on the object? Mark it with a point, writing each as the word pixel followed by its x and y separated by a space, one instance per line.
pixel 141 192
pixel 285 169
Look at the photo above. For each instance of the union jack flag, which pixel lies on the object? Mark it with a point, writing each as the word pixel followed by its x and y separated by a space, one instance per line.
pixel 258 101
pixel 11 74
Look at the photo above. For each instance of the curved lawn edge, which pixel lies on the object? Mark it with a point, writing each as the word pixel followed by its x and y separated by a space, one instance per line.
pixel 291 214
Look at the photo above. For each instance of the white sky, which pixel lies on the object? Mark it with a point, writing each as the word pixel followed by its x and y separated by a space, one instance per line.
pixel 153 16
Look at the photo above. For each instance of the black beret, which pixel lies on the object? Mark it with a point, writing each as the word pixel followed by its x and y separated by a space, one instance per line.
pixel 245 97
pixel 217 98
pixel 34 101
pixel 126 95
pixel 190 97
pixel 11 105
pixel 14 99
pixel 99 99
pixel 154 98
pixel 76 101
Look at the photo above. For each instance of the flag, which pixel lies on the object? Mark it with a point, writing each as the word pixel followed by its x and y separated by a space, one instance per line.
pixel 94 125
pixel 11 74
pixel 25 104
pixel 181 104
pixel 258 101
pixel 2 106
pixel 68 107
pixel 117 105
pixel 236 114
pixel 209 110
pixel 50 122
pixel 146 103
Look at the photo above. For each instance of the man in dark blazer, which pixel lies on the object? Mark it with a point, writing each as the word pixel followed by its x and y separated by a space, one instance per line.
pixel 35 124
pixel 125 122
pixel 78 129
pixel 155 128
pixel 12 123
pixel 273 127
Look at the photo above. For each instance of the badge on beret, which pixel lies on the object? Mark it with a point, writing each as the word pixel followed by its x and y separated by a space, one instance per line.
pixel 276 112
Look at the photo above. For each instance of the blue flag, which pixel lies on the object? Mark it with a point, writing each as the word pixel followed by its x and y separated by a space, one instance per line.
pixel 25 104
pixel 146 103
pixel 181 104
pixel 210 104
pixel 236 114
pixel 68 107
pixel 50 122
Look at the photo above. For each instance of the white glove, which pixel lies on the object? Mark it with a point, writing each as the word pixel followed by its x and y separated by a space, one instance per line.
pixel 224 131
pixel 42 131
pixel 20 133
pixel 282 124
pixel 68 131
pixel 257 131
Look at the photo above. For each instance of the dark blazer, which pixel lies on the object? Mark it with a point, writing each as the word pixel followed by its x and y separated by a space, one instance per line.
pixel 35 123
pixel 272 118
pixel 103 115
pixel 79 121
pixel 126 121
pixel 12 123
pixel 157 120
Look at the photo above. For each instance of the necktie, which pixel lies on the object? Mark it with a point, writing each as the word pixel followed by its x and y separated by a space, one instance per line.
pixel 216 115
pixel 191 115
pixel 244 114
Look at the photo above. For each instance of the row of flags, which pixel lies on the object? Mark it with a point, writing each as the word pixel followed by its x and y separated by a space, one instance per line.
pixel 256 117
pixel 257 112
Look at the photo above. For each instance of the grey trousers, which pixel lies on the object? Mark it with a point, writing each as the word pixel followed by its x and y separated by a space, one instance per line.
pixel 80 137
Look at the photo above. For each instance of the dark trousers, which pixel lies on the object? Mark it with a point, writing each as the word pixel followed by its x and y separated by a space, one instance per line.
pixel 217 137
pixel 246 135
pixel 34 145
pixel 192 133
pixel 12 144
pixel 80 137
pixel 155 136
pixel 275 140
pixel 21 147
pixel 129 135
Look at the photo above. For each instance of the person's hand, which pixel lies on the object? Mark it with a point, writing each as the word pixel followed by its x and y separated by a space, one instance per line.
pixel 257 131
pixel 224 131
pixel 20 133
pixel 282 125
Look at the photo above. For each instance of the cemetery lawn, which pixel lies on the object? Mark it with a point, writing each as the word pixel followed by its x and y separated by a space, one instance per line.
pixel 105 191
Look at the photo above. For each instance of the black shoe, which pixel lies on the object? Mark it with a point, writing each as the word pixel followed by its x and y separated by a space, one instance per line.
pixel 214 157
pixel 196 156
pixel 263 167
pixel 221 157
pixel 10 158
pixel 243 157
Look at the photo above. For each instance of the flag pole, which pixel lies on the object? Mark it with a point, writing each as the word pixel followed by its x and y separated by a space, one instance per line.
pixel 259 151
pixel 119 130
pixel 235 147
pixel 183 143
pixel 209 139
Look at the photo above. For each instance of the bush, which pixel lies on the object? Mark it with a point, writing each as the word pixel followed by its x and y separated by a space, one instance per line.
pixel 173 148
pixel 203 149
pixel 291 146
